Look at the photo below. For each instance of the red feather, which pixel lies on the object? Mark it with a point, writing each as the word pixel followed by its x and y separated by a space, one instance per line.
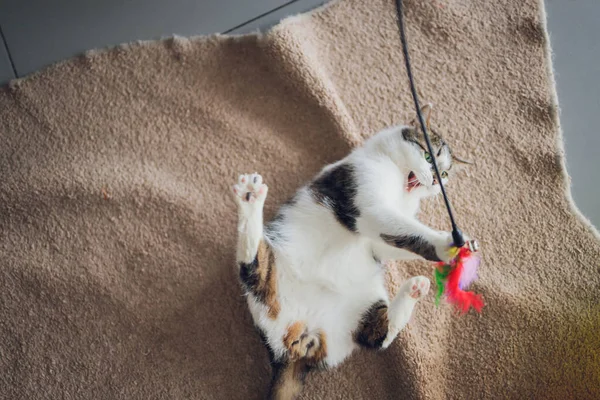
pixel 462 300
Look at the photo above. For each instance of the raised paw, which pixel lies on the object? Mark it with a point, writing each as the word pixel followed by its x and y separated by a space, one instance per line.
pixel 250 189
pixel 416 287
pixel 442 246
pixel 302 344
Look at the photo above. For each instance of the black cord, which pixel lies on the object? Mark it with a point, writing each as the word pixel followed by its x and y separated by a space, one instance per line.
pixel 457 235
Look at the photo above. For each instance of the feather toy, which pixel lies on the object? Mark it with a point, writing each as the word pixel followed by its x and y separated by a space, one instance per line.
pixel 453 278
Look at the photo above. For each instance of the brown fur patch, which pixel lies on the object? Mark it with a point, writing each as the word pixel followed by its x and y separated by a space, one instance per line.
pixel 260 279
pixel 268 279
pixel 374 326
pixel 415 135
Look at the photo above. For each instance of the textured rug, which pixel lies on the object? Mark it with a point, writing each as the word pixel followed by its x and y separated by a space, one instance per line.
pixel 117 231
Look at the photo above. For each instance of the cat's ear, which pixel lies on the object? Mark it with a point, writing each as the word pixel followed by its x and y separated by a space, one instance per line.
pixel 426 113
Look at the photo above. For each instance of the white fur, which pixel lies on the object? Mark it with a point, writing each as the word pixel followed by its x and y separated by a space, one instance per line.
pixel 327 275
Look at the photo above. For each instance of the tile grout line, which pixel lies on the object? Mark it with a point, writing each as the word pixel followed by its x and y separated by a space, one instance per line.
pixel 10 59
pixel 260 16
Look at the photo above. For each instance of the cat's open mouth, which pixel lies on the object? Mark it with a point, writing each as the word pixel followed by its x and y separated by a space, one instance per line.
pixel 413 182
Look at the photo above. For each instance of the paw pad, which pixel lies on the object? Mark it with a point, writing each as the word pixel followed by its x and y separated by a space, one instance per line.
pixel 250 189
pixel 418 287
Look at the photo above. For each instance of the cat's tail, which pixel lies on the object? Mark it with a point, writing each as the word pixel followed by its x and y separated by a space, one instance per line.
pixel 288 379
pixel 254 257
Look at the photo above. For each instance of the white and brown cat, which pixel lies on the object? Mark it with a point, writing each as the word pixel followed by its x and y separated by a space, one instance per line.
pixel 313 277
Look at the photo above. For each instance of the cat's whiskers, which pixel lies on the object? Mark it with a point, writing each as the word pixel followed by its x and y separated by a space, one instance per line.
pixel 436 200
pixel 440 201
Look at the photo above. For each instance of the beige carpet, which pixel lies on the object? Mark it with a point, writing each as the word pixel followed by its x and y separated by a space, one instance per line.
pixel 117 231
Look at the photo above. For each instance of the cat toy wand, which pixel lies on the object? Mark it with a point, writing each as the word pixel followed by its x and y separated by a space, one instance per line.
pixel 454 277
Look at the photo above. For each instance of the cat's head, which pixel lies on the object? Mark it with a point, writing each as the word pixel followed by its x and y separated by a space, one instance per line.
pixel 420 172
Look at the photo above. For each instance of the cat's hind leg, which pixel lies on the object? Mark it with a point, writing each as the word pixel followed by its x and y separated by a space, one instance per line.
pixel 254 257
pixel 381 323
pixel 304 344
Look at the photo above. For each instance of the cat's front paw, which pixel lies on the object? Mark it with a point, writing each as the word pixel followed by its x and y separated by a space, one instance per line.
pixel 444 243
pixel 250 189
pixel 442 246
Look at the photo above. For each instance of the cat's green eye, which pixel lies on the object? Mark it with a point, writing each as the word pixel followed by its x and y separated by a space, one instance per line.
pixel 428 157
pixel 444 174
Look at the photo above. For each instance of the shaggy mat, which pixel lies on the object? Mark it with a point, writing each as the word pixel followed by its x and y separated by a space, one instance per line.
pixel 117 230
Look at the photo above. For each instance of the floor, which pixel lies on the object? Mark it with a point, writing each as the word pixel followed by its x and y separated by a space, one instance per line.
pixel 37 33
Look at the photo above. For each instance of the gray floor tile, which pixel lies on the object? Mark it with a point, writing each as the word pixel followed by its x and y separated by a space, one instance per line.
pixel 41 32
pixel 575 39
pixel 267 21
pixel 6 70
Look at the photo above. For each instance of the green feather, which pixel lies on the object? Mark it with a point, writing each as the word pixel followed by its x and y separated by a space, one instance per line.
pixel 440 276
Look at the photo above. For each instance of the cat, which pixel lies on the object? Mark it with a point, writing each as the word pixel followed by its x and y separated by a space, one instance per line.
pixel 314 277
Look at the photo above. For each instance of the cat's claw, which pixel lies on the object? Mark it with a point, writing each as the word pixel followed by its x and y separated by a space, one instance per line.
pixel 250 189
pixel 416 287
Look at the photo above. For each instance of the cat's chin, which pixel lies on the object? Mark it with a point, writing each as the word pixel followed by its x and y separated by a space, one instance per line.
pixel 433 191
pixel 421 191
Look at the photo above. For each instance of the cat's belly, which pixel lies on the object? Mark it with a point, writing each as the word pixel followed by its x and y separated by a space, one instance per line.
pixel 334 308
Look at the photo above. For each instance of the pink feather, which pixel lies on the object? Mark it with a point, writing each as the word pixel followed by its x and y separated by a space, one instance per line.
pixel 469 272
